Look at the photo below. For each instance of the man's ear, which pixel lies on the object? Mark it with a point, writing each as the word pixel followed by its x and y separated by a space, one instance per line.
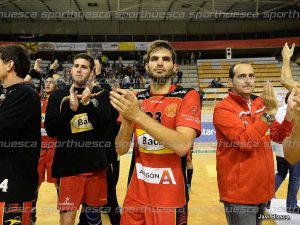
pixel 175 67
pixel 147 67
pixel 10 65
pixel 229 83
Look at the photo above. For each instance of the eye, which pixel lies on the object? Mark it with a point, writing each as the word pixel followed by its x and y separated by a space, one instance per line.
pixel 154 58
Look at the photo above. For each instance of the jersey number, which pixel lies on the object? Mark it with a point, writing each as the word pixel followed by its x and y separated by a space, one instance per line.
pixel 4 185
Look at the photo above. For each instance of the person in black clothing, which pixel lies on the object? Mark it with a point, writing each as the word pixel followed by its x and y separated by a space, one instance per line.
pixel 80 117
pixel 112 207
pixel 20 137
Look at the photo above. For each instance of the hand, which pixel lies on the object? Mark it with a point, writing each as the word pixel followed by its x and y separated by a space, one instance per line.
pixel 287 52
pixel 74 103
pixel 291 106
pixel 126 103
pixel 269 99
pixel 37 65
pixel 286 78
pixel 97 66
pixel 86 94
pixel 54 65
pixel 85 97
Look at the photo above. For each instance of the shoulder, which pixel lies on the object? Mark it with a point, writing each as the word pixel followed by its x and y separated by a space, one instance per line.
pixel 60 93
pixel 24 90
pixel 226 103
pixel 143 94
pixel 181 92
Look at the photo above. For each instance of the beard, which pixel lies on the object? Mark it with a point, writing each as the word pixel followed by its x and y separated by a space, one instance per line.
pixel 80 81
pixel 161 79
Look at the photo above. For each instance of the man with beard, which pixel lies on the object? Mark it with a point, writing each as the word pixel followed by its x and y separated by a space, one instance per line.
pixel 80 117
pixel 165 120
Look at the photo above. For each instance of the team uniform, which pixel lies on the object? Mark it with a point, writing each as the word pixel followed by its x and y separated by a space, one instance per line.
pixel 83 139
pixel 157 185
pixel 48 150
pixel 20 136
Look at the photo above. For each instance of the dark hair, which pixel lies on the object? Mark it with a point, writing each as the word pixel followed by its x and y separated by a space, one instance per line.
pixel 231 69
pixel 19 55
pixel 287 97
pixel 159 44
pixel 86 57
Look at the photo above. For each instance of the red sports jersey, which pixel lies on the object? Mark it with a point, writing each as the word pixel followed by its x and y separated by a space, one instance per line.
pixel 157 179
pixel 47 142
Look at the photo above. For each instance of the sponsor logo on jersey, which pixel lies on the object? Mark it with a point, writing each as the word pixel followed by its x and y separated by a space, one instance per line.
pixel 171 110
pixel 179 92
pixel 16 220
pixel 80 123
pixel 147 144
pixel 155 175
pixel 194 110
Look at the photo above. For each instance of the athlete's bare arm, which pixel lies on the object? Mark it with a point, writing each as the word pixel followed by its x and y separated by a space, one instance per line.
pixel 179 141
pixel 291 144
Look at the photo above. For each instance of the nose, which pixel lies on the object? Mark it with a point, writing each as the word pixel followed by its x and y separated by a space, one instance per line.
pixel 160 61
pixel 247 79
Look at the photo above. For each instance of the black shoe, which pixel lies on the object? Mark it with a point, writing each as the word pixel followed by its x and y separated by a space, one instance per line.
pixel 295 209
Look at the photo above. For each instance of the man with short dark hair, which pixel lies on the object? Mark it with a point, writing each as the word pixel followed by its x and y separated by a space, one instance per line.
pixel 165 120
pixel 20 134
pixel 244 125
pixel 80 117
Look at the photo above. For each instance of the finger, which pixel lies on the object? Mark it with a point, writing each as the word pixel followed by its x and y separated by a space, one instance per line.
pixel 122 91
pixel 272 92
pixel 116 107
pixel 129 95
pixel 117 102
pixel 265 89
pixel 72 88
pixel 293 47
pixel 120 98
pixel 132 96
pixel 292 93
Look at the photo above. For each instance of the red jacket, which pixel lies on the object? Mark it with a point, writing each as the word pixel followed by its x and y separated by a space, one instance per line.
pixel 245 165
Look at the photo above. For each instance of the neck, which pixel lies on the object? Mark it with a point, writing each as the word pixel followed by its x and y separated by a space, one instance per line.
pixel 79 85
pixel 11 80
pixel 160 88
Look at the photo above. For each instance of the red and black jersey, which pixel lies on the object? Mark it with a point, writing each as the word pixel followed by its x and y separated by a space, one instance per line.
pixel 157 178
pixel 46 140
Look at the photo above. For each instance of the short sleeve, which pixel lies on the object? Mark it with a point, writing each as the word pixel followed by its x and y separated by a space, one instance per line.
pixel 189 114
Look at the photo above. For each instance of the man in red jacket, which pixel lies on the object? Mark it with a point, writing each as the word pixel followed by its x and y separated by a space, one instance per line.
pixel 244 126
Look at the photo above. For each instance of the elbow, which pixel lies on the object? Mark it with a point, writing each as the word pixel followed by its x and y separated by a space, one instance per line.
pixel 122 147
pixel 182 151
